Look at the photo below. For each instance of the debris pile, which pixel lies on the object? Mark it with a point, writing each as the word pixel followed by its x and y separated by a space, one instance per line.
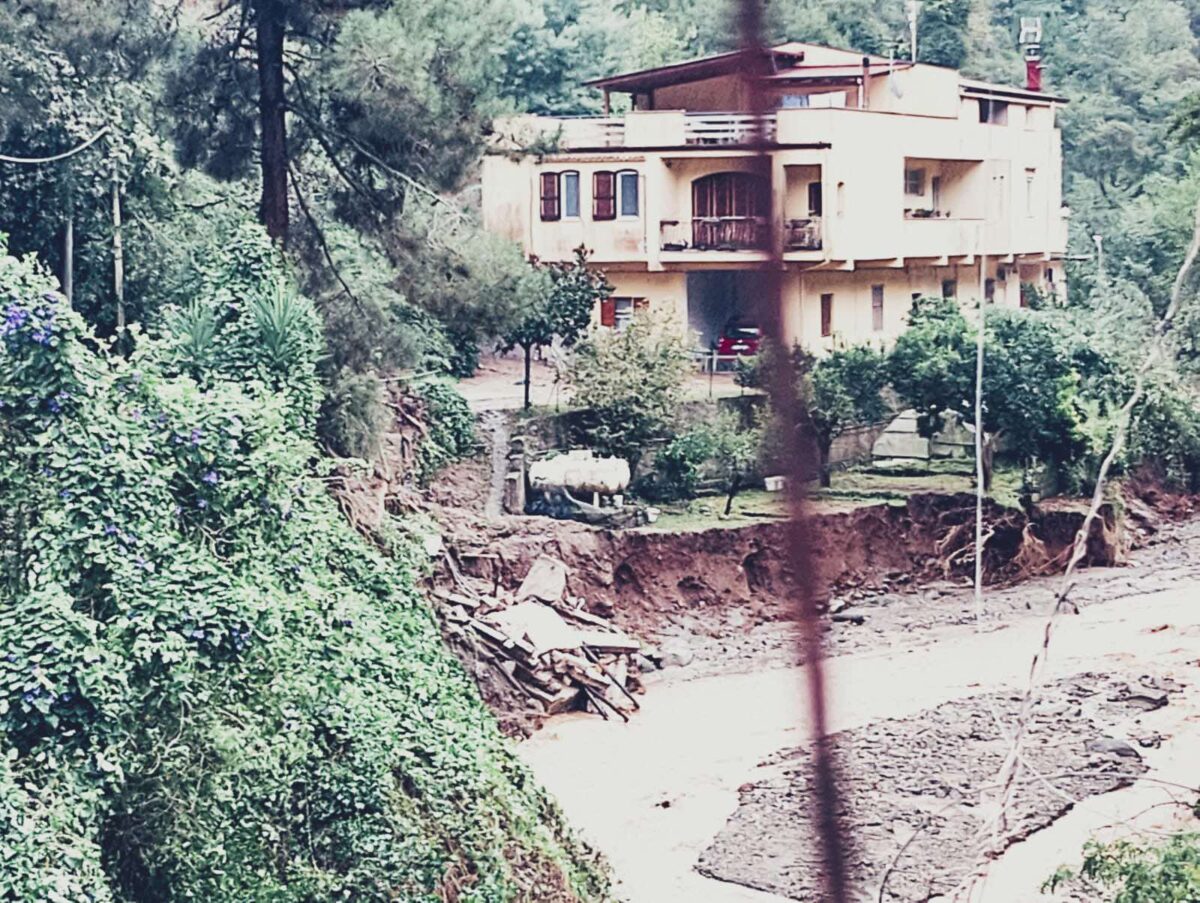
pixel 544 644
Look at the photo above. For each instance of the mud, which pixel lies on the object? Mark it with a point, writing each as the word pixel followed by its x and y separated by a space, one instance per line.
pixel 924 785
pixel 656 583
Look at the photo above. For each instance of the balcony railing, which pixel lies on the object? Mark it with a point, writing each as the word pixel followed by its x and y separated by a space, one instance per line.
pixel 729 233
pixel 803 234
pixel 728 128
pixel 592 131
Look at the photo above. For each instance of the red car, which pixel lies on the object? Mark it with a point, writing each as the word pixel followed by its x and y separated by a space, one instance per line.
pixel 739 339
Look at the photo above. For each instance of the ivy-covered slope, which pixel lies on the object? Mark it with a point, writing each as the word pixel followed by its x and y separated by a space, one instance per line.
pixel 210 688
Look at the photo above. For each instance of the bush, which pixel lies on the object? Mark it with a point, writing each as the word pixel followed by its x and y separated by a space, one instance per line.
pixel 354 416
pixel 451 426
pixel 678 466
pixel 631 383
pixel 1133 873
pixel 212 688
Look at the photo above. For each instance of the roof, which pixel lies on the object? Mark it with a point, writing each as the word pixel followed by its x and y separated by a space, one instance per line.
pixel 645 80
pixel 795 61
pixel 974 87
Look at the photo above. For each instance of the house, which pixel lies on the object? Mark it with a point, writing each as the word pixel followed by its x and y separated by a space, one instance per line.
pixel 888 181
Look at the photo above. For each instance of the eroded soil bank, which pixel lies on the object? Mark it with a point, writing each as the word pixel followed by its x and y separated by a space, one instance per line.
pixel 657 584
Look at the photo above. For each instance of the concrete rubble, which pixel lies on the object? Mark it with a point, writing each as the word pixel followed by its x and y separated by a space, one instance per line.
pixel 544 644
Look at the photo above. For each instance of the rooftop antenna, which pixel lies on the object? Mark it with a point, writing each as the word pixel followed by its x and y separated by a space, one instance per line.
pixel 914 13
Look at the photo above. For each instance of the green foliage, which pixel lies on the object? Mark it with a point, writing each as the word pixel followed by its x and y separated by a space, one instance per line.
pixel 1127 872
pixel 557 301
pixel 1031 389
pixel 845 389
pixel 631 383
pixel 679 465
pixel 354 415
pixel 212 688
pixel 451 426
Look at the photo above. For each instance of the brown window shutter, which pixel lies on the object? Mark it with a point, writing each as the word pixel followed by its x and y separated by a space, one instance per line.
pixel 608 312
pixel 827 315
pixel 604 195
pixel 551 209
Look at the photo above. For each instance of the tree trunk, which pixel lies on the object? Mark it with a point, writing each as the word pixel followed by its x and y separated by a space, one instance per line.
pixel 989 461
pixel 269 29
pixel 528 358
pixel 824 477
pixel 118 258
pixel 68 253
pixel 734 485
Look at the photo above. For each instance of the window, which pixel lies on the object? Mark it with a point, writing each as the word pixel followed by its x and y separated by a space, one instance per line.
pixel 949 288
pixel 994 112
pixel 814 198
pixel 989 290
pixel 827 315
pixel 627 193
pixel 617 313
pixel 914 182
pixel 570 195
pixel 550 206
pixel 877 308
pixel 1030 190
pixel 604 195
pixel 935 192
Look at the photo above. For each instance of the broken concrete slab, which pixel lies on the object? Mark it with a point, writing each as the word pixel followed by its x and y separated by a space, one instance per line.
pixel 546 581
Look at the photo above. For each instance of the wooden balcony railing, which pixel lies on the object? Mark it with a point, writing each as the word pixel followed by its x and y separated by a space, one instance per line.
pixel 729 233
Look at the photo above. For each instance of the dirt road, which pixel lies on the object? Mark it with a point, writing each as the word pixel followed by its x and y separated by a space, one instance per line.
pixel 653 794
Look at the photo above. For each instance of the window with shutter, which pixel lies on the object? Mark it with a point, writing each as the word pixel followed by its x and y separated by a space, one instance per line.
pixel 608 312
pixel 551 209
pixel 877 308
pixel 570 195
pixel 827 315
pixel 604 195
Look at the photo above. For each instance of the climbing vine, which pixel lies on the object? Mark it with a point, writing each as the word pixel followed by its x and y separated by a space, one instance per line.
pixel 210 688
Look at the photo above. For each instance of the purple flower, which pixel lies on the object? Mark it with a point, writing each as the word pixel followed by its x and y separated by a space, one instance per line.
pixel 197 436
pixel 203 503
pixel 211 478
pixel 65 494
pixel 110 529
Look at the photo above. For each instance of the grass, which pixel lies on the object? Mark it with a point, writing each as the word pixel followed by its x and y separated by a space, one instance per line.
pixel 853 488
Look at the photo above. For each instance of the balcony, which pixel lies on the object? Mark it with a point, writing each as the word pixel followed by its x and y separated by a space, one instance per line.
pixel 723 129
pixel 591 131
pixel 729 233
pixel 658 128
pixel 803 234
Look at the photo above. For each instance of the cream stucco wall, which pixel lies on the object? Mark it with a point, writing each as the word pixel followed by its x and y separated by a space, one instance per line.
pixel 1000 195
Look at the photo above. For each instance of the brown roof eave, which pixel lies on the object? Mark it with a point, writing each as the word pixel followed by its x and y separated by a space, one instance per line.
pixel 680 73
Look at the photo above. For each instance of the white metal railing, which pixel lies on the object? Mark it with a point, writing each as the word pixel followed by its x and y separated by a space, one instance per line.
pixel 592 131
pixel 728 128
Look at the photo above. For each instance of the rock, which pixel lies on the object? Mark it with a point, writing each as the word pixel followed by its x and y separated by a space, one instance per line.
pixel 1145 699
pixel 848 617
pixel 546 581
pixel 1113 747
pixel 676 655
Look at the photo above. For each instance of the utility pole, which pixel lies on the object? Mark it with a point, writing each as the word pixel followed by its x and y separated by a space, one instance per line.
pixel 914 13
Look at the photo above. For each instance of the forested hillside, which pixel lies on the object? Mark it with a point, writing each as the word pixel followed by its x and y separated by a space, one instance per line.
pixel 225 226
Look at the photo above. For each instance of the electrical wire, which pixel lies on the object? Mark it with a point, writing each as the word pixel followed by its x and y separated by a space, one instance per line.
pixel 39 161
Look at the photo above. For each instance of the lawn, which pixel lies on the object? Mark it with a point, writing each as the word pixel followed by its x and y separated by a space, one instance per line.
pixel 852 488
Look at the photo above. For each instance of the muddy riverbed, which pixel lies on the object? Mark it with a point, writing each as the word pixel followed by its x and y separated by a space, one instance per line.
pixel 691 797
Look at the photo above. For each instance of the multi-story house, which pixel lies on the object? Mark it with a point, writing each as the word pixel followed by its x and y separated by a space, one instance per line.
pixel 888 181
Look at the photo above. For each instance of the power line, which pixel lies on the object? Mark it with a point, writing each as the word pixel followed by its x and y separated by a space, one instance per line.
pixel 38 161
